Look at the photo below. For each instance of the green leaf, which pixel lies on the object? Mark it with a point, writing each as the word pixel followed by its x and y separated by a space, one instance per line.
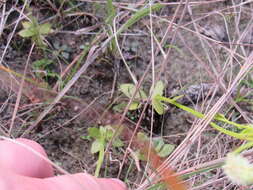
pixel 157 186
pixel 111 12
pixel 42 63
pixel 158 90
pixel 156 103
pixel 94 132
pixel 129 89
pixel 119 107
pixel 134 106
pixel 141 95
pixel 103 132
pixel 97 146
pixel 161 148
pixel 158 106
pixel 177 97
pixel 141 156
pixel 54 75
pixel 220 116
pixel 109 134
pixel 117 143
pixel 166 150
pixel 85 137
pixel 248 132
pixel 138 15
pixel 27 25
pixel 29 32
pixel 200 115
pixel 175 47
pixel 44 28
pixel 158 144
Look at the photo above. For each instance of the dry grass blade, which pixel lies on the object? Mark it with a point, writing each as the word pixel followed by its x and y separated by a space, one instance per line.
pixel 193 135
pixel 180 151
pixel 19 94
pixel 209 116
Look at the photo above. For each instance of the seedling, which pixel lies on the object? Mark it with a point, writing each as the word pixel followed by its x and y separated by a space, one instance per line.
pixel 129 89
pixel 43 69
pixel 168 176
pixel 35 31
pixel 102 136
pixel 161 148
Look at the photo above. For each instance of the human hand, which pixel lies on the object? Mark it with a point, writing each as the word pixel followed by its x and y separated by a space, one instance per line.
pixel 22 169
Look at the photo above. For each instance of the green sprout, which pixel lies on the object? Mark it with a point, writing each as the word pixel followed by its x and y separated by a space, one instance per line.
pixel 35 31
pixel 129 89
pixel 102 136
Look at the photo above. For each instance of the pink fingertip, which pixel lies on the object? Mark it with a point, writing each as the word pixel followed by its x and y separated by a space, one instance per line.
pixel 119 182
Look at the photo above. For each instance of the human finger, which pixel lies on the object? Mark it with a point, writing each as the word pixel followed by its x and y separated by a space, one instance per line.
pixel 18 157
pixel 82 181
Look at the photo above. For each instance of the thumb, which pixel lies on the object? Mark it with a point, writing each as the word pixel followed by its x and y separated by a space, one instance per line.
pixel 112 184
pixel 82 181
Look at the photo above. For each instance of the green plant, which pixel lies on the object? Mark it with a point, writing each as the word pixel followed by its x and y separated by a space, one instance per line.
pixel 43 69
pixel 240 131
pixel 102 136
pixel 35 31
pixel 162 149
pixel 138 15
pixel 129 89
pixel 245 131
